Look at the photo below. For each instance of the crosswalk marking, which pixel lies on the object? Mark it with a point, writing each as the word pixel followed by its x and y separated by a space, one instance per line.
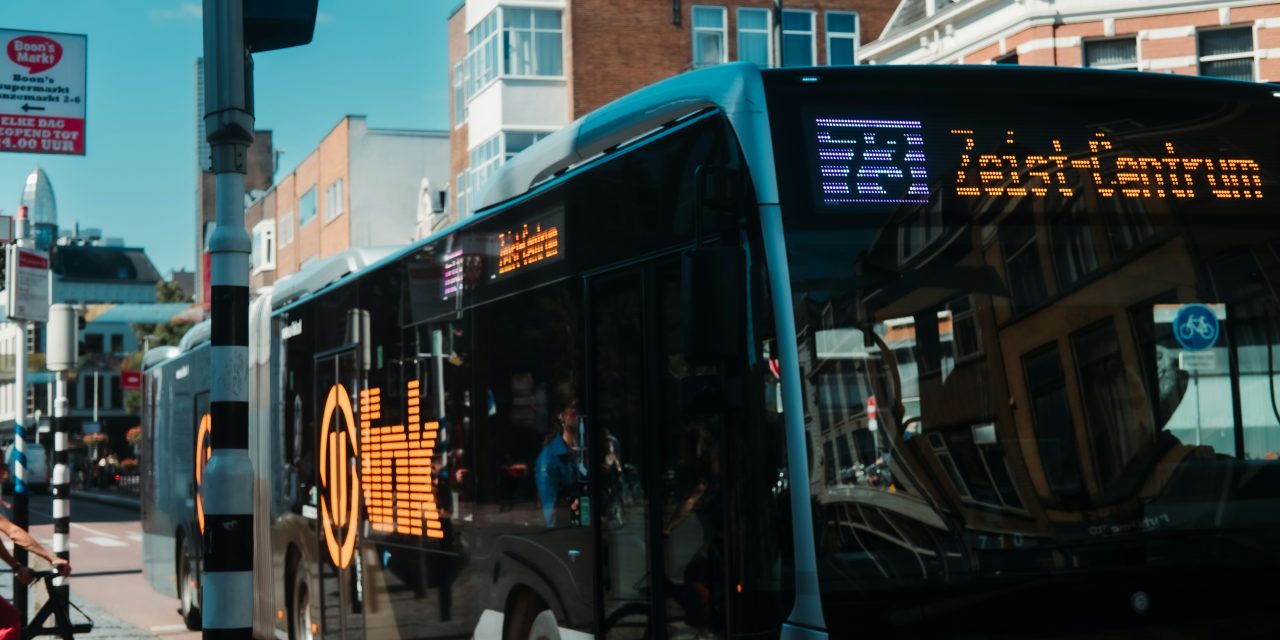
pixel 134 536
pixel 104 541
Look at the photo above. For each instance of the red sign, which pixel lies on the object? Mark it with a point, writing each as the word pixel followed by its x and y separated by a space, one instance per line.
pixel 131 380
pixel 871 408
pixel 32 260
pixel 36 53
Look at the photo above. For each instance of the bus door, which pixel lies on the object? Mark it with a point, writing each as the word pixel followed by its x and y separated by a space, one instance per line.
pixel 659 428
pixel 341 591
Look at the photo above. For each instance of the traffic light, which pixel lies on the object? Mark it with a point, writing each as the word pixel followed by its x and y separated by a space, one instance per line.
pixel 278 24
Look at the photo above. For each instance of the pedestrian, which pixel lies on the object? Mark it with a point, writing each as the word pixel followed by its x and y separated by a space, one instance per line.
pixel 10 619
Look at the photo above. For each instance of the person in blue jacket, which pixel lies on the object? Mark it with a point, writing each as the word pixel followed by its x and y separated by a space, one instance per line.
pixel 557 471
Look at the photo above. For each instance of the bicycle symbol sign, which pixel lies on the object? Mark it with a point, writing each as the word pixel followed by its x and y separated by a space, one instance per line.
pixel 1195 327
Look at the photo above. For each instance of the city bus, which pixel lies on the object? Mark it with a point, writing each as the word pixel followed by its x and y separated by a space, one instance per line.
pixel 864 352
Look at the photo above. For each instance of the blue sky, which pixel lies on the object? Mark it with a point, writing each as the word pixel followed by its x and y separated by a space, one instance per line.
pixel 384 59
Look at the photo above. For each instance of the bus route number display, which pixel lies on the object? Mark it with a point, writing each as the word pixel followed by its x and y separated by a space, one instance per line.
pixel 866 160
pixel 528 246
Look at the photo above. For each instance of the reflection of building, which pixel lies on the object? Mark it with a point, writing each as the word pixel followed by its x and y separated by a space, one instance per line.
pixel 521 70
pixel 1020 345
pixel 360 187
pixel 1213 38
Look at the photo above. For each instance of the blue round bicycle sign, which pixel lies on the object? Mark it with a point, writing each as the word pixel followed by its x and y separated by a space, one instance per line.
pixel 1195 327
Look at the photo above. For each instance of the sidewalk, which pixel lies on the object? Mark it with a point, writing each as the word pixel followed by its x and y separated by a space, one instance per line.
pixel 112 498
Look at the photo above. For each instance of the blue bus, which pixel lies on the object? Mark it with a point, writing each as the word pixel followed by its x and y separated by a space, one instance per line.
pixel 886 352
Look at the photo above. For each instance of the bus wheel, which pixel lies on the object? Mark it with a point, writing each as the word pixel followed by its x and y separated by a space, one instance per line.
pixel 188 585
pixel 300 605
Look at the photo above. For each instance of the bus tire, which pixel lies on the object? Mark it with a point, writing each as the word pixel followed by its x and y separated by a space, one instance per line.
pixel 299 603
pixel 188 573
pixel 530 619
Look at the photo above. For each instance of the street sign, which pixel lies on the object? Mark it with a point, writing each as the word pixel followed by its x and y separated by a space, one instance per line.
pixel 42 92
pixel 1195 327
pixel 131 380
pixel 1197 361
pixel 26 284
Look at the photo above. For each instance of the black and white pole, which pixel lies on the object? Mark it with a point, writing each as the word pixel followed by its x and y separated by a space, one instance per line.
pixel 21 505
pixel 227 488
pixel 61 355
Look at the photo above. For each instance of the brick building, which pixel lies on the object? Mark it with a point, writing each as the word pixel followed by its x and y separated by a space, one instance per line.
pixel 1238 40
pixel 359 187
pixel 520 70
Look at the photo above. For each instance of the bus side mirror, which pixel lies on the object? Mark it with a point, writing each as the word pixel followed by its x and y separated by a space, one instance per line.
pixel 712 296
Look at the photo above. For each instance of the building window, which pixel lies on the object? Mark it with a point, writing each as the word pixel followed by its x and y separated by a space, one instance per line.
pixel 1114 431
pixel 307 206
pixel 1022 262
pixel 918 231
pixel 965 336
pixel 462 195
pixel 516 141
pixel 1051 415
pixel 482 54
pixel 92 343
pixel 333 201
pixel 798 41
pixel 459 95
pixel 1116 53
pixel 117 343
pixel 1227 53
pixel 755 36
pixel 710 36
pixel 485 159
pixel 1010 58
pixel 1073 254
pixel 842 38
pixel 117 392
pixel 262 255
pixel 533 42
pixel 286 229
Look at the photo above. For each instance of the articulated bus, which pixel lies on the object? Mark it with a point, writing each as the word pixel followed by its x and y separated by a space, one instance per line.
pixel 868 352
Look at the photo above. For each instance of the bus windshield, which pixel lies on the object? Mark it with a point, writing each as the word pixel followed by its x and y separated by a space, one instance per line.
pixel 1039 327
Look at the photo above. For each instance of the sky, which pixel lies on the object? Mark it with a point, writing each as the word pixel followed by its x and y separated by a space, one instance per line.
pixel 384 59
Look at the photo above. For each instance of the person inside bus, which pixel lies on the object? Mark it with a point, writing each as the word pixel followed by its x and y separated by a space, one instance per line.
pixel 697 479
pixel 556 471
pixel 10 619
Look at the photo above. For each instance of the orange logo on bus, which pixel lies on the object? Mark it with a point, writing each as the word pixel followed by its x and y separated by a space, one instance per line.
pixel 341 487
pixel 204 449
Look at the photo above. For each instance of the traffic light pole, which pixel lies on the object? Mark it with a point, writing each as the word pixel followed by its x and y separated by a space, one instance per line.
pixel 61 353
pixel 227 489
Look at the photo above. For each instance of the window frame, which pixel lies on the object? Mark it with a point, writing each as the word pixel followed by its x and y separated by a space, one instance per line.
pixel 695 31
pixel 768 32
pixel 334 203
pixel 285 230
pixel 460 101
pixel 812 33
pixel 1251 54
pixel 309 194
pixel 262 256
pixel 853 36
pixel 1137 54
pixel 504 28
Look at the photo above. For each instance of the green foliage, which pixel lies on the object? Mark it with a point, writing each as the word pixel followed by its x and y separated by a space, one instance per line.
pixel 170 291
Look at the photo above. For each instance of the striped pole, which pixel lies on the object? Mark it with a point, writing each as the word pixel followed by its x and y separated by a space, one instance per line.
pixel 21 505
pixel 227 486
pixel 61 483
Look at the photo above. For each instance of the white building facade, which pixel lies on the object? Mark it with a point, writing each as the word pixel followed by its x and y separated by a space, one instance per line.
pixel 1239 40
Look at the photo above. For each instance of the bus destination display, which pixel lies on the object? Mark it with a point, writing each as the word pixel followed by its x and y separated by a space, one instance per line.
pixel 529 245
pixel 865 161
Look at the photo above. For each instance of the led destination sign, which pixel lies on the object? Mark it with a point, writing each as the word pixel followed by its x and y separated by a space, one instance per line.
pixel 529 245
pixel 897 161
